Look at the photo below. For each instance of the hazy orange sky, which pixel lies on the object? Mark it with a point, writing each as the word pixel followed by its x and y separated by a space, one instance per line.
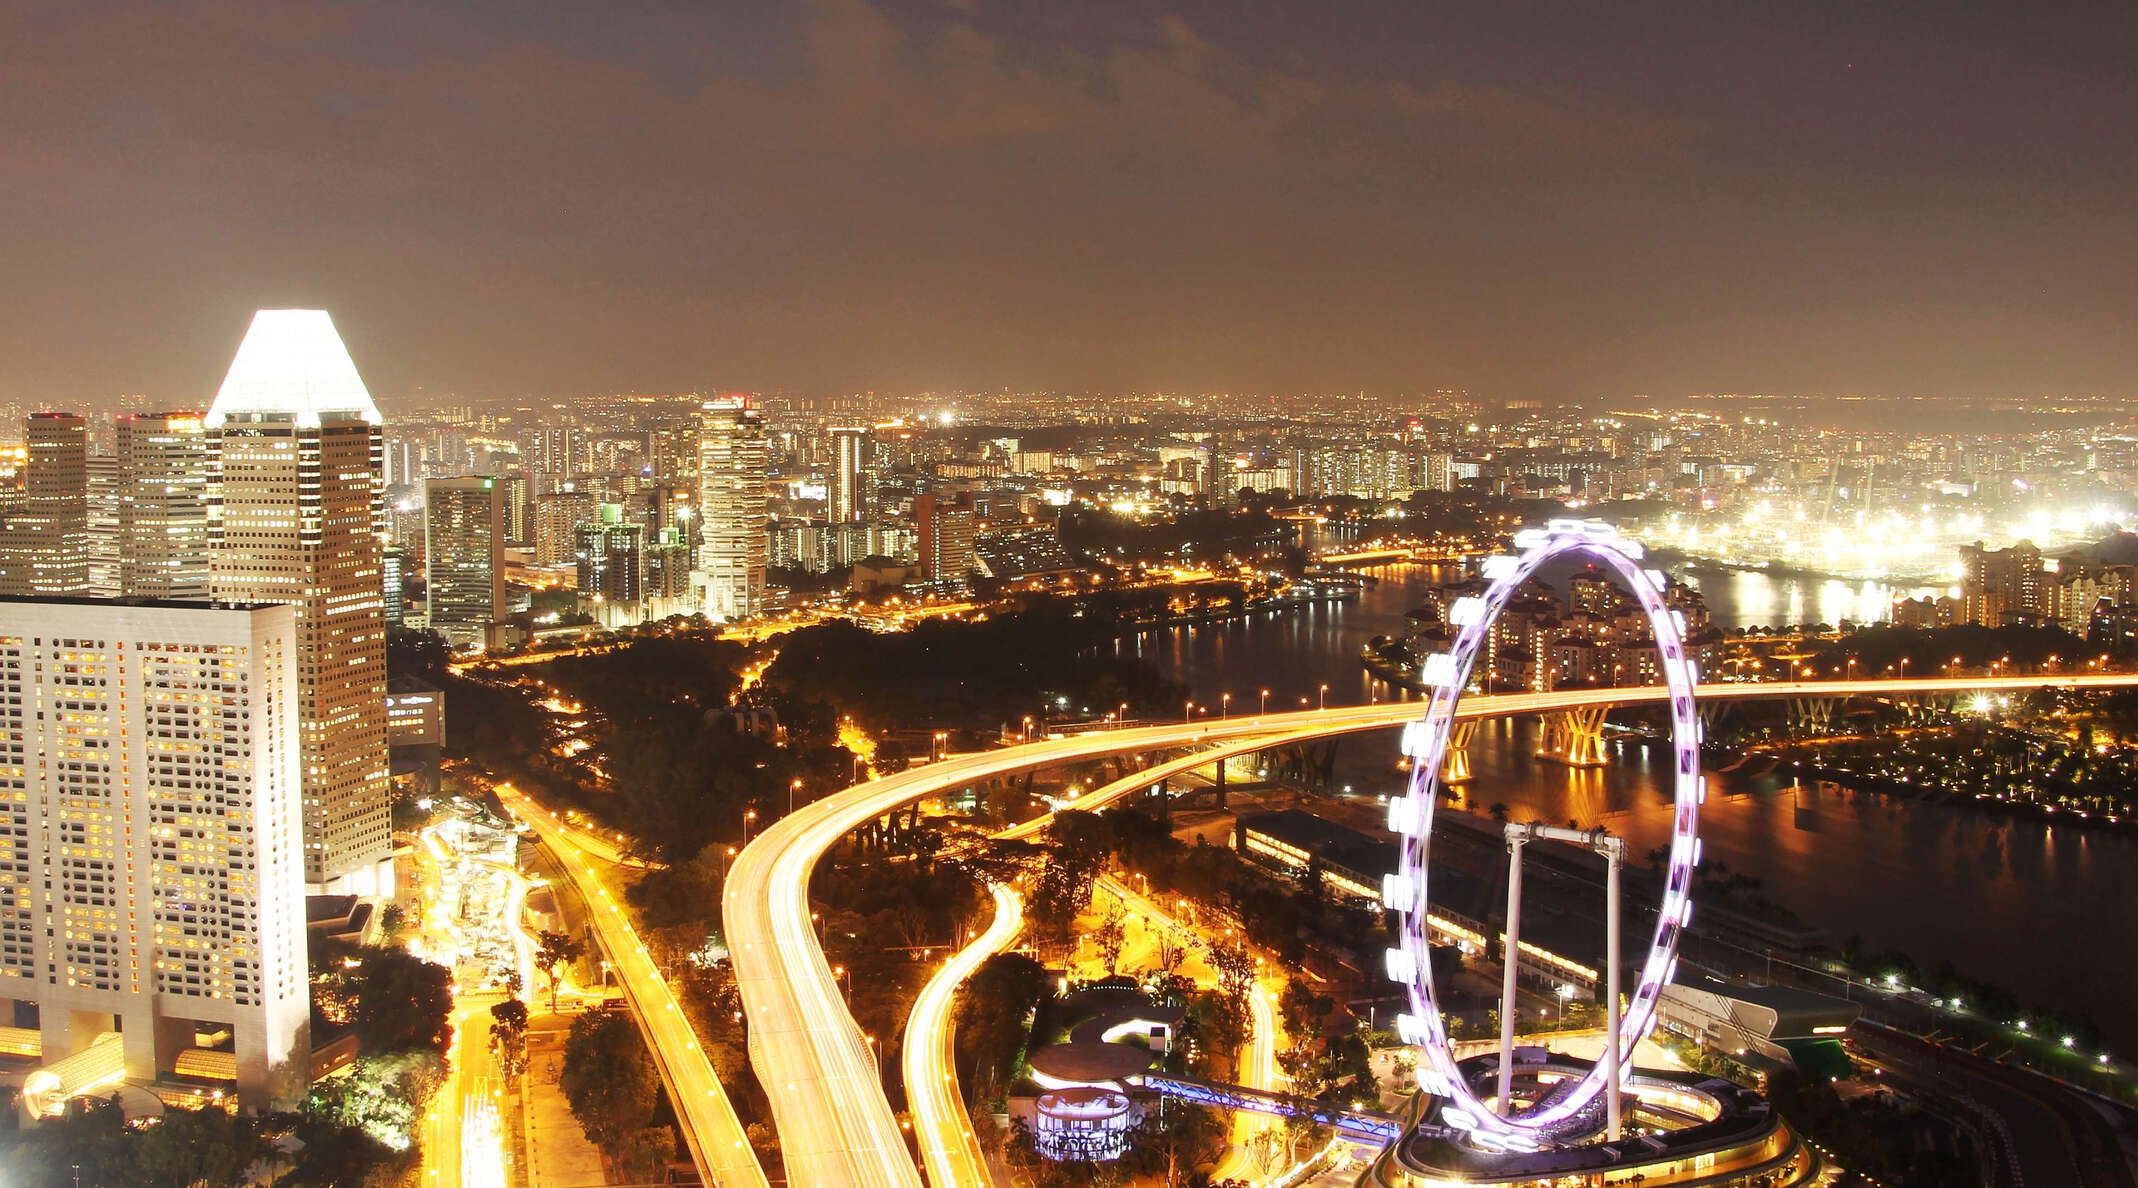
pixel 1526 199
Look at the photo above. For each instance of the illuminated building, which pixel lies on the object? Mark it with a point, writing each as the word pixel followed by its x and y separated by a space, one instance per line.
pixel 612 568
pixel 946 535
pixel 557 517
pixel 848 500
pixel 163 469
pixel 297 517
pixel 44 547
pixel 101 558
pixel 2003 586
pixel 734 517
pixel 464 556
pixel 154 883
pixel 393 585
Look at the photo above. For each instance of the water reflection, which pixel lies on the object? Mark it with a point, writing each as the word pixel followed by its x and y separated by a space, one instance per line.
pixel 2051 913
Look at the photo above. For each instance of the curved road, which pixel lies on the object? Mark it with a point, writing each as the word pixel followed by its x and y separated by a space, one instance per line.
pixel 715 1134
pixel 834 1123
pixel 949 1149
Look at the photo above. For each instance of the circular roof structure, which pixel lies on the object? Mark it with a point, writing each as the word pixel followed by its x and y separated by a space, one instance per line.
pixel 1090 1063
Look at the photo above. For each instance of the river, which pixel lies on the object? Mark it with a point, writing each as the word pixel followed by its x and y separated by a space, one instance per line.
pixel 2050 912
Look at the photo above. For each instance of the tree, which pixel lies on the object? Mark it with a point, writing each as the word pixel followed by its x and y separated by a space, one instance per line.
pixel 991 1014
pixel 381 1096
pixel 552 951
pixel 608 1079
pixel 646 1154
pixel 199 1149
pixel 392 999
pixel 508 1034
pixel 1235 968
pixel 1108 938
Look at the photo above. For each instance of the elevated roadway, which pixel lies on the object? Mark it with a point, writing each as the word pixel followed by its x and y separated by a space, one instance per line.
pixel 713 1131
pixel 834 1123
pixel 949 1150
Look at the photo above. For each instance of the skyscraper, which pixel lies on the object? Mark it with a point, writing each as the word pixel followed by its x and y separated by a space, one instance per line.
pixel 44 547
pixel 734 509
pixel 163 465
pixel 297 517
pixel 612 568
pixel 848 502
pixel 154 883
pixel 464 556
pixel 947 526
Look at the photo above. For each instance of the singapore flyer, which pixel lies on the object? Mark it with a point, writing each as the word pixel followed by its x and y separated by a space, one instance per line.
pixel 1405 891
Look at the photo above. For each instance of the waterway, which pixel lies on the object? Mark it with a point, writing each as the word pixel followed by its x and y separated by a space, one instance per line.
pixel 2048 911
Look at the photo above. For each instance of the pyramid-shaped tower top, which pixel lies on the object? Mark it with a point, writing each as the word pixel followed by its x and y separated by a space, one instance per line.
pixel 293 363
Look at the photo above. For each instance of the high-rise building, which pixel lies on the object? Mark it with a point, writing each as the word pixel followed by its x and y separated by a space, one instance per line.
pixel 393 585
pixel 464 556
pixel 2000 587
pixel 848 500
pixel 163 464
pixel 297 517
pixel 519 510
pixel 612 568
pixel 734 509
pixel 44 547
pixel 946 535
pixel 556 526
pixel 151 872
pixel 102 487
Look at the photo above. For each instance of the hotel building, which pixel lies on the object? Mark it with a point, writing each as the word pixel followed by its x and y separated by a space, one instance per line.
pixel 151 871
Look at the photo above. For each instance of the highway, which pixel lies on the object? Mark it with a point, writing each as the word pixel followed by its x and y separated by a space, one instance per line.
pixel 710 1126
pixel 834 1123
pixel 949 1150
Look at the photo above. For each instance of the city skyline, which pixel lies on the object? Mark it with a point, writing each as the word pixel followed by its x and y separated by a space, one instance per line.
pixel 1542 202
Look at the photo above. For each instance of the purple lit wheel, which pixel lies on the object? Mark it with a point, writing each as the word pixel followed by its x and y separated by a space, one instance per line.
pixel 1426 742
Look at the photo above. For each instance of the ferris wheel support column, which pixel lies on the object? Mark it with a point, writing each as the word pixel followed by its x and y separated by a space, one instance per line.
pixel 1511 954
pixel 1613 960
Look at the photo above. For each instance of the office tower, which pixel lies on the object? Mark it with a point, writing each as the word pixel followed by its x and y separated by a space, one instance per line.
pixel 163 463
pixel 403 461
pixel 946 535
pixel 612 568
pixel 155 879
pixel 556 526
pixel 848 502
pixel 297 517
pixel 101 551
pixel 44 548
pixel 519 511
pixel 668 566
pixel 464 556
pixel 393 585
pixel 672 448
pixel 734 509
pixel 559 449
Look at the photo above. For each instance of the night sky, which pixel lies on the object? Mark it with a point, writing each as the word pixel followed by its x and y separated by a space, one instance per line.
pixel 1529 200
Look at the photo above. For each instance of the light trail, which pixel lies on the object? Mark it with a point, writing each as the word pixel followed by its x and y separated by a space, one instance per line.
pixel 949 1150
pixel 718 1144
pixel 835 1125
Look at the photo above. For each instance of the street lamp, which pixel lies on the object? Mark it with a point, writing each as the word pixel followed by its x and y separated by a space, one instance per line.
pixel 1325 695
pixel 1564 992
pixel 1224 702
pixel 793 786
pixel 748 816
pixel 1265 703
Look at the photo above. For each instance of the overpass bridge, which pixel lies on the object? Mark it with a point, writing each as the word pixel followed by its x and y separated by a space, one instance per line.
pixel 834 1122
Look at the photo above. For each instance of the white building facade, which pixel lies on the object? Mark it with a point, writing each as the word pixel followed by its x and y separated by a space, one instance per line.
pixel 151 836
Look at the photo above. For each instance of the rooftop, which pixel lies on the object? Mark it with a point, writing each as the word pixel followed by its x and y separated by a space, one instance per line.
pixel 293 363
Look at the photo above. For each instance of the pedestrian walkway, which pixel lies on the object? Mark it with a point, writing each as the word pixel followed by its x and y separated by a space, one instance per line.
pixel 558 1152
